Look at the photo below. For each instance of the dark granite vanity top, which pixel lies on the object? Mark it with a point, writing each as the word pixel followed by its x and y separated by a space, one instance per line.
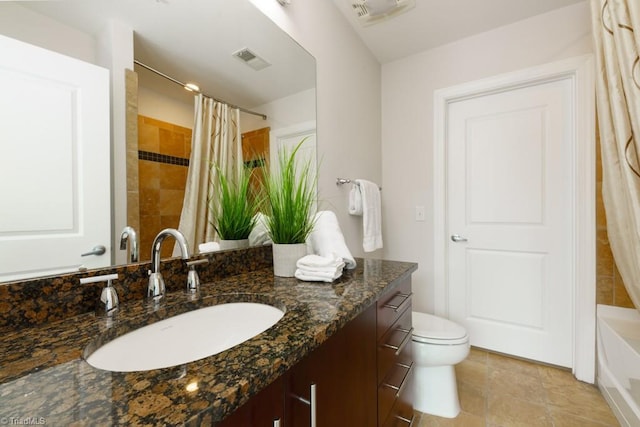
pixel 44 379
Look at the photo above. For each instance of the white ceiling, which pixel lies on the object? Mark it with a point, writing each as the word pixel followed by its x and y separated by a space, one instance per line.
pixel 436 22
pixel 193 41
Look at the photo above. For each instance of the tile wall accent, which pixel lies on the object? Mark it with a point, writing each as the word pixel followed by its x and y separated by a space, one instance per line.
pixel 610 288
pixel 43 300
pixel 163 159
pixel 133 188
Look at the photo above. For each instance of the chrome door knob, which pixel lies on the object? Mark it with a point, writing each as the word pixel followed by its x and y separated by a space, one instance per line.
pixel 458 238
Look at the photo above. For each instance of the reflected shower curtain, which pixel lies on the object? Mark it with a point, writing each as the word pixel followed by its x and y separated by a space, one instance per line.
pixel 215 141
pixel 618 101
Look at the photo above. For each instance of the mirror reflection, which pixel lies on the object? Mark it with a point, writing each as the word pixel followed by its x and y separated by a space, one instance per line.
pixel 188 43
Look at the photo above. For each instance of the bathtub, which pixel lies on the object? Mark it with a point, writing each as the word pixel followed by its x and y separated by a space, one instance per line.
pixel 619 361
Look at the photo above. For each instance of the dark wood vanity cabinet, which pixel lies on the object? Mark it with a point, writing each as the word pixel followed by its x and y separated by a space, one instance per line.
pixel 360 377
pixel 342 372
pixel 394 358
pixel 266 409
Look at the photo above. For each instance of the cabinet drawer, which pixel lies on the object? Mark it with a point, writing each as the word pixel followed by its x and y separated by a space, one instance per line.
pixel 401 415
pixel 392 305
pixel 395 346
pixel 396 387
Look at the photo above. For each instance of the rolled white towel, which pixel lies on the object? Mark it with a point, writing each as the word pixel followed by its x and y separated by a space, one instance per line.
pixel 316 276
pixel 259 235
pixel 327 239
pixel 355 201
pixel 208 247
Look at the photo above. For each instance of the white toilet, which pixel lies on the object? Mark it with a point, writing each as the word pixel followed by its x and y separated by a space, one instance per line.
pixel 438 344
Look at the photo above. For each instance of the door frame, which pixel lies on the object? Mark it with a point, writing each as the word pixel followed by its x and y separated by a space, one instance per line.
pixel 583 234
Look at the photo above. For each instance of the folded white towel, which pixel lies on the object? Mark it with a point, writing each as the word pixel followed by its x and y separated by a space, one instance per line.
pixel 331 270
pixel 208 247
pixel 327 239
pixel 259 235
pixel 311 262
pixel 317 277
pixel 355 201
pixel 371 215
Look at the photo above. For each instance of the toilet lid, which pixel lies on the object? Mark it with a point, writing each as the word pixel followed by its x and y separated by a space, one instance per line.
pixel 429 327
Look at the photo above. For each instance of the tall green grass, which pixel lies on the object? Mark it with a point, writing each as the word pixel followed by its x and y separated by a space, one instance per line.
pixel 290 199
pixel 234 213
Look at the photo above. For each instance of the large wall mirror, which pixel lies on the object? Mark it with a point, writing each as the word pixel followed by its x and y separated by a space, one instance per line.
pixel 191 41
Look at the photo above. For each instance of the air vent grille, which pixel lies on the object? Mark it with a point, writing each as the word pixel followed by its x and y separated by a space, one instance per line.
pixel 366 16
pixel 246 55
pixel 251 59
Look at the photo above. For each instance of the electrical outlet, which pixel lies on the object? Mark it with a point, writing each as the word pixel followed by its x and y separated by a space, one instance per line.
pixel 420 214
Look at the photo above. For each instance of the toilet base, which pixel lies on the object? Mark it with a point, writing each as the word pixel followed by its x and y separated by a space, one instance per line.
pixel 436 391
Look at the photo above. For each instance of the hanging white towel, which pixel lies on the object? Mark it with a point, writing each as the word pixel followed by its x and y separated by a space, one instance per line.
pixel 371 215
pixel 327 240
pixel 355 201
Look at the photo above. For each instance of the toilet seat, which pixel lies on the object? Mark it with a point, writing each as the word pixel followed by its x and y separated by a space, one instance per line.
pixel 437 330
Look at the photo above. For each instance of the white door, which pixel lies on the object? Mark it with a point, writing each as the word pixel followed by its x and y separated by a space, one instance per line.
pixel 288 138
pixel 509 216
pixel 54 162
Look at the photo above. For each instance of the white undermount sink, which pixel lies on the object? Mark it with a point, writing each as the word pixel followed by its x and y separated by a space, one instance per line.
pixel 186 337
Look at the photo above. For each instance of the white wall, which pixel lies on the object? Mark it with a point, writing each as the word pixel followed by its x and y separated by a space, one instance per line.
pixel 407 110
pixel 283 112
pixel 161 107
pixel 23 24
pixel 348 101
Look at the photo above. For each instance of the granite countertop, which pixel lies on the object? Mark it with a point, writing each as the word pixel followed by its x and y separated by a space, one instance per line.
pixel 45 380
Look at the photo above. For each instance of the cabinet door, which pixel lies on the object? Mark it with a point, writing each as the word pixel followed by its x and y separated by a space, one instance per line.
pixel 266 409
pixel 343 372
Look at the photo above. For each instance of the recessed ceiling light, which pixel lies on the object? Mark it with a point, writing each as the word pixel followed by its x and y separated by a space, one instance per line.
pixel 192 87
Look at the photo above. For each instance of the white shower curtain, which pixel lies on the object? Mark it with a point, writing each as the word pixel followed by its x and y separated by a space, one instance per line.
pixel 618 102
pixel 215 141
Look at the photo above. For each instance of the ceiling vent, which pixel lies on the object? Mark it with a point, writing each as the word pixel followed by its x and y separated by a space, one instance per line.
pixel 371 12
pixel 251 59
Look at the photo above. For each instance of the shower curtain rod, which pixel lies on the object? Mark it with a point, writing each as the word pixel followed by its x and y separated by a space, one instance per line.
pixel 178 82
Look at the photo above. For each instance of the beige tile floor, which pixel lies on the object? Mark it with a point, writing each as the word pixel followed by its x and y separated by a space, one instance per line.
pixel 499 391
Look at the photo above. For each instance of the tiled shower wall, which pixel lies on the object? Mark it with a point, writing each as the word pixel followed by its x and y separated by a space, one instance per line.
pixel 610 287
pixel 163 162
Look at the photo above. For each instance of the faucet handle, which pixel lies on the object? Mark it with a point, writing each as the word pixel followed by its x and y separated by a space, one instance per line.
pixel 193 280
pixel 108 303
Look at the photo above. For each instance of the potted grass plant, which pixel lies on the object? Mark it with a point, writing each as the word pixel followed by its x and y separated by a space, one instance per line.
pixel 234 209
pixel 289 201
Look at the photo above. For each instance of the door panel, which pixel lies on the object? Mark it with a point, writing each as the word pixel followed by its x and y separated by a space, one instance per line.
pixel 509 195
pixel 54 162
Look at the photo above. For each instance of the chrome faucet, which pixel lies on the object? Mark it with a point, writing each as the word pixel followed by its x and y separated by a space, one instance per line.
pixel 156 288
pixel 128 233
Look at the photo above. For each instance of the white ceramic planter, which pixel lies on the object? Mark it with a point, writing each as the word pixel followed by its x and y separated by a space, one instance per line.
pixel 285 257
pixel 234 244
